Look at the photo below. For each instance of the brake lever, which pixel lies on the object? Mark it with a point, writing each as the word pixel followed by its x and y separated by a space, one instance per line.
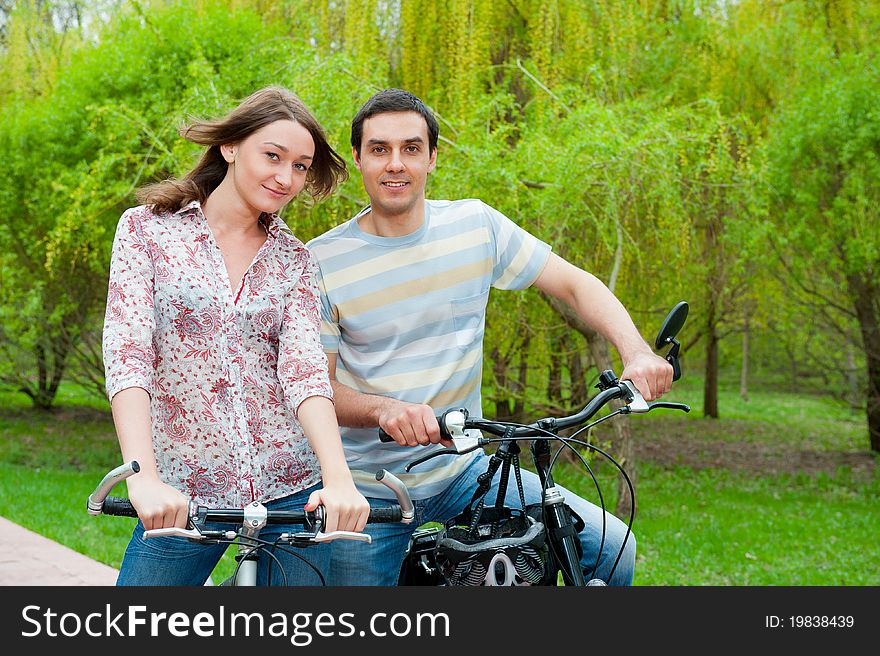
pixel 460 445
pixel 174 531
pixel 319 537
pixel 670 405
pixel 636 403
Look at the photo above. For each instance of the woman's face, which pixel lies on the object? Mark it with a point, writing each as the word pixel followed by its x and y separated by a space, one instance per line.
pixel 269 167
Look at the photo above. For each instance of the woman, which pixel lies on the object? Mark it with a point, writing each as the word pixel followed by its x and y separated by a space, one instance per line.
pixel 217 380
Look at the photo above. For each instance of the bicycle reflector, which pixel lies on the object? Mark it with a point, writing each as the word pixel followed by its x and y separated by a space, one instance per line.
pixel 506 548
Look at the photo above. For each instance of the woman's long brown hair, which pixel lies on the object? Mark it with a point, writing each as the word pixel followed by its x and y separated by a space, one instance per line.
pixel 258 110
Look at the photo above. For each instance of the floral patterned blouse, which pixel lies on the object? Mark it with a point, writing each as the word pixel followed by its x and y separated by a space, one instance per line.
pixel 226 369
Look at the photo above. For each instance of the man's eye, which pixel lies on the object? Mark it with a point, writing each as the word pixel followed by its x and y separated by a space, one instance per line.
pixel 379 149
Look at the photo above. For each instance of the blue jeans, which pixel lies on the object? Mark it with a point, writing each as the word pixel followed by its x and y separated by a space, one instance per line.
pixel 379 563
pixel 177 561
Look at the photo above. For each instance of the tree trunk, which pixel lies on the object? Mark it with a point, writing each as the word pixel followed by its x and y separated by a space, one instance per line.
pixel 744 369
pixel 710 385
pixel 503 401
pixel 866 294
pixel 622 435
pixel 49 374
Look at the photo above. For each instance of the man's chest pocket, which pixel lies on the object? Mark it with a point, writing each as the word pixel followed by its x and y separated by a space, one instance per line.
pixel 469 316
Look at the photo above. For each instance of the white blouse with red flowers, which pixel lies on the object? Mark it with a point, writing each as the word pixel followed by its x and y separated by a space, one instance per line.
pixel 226 369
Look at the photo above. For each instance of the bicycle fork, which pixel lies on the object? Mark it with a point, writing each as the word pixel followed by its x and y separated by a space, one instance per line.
pixel 561 529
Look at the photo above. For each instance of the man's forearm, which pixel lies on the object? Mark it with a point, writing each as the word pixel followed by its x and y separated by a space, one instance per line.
pixel 358 410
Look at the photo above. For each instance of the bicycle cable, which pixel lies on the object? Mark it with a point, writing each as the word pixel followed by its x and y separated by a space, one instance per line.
pixel 565 440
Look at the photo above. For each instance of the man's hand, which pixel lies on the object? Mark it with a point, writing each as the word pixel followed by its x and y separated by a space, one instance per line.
pixel 411 424
pixel 651 374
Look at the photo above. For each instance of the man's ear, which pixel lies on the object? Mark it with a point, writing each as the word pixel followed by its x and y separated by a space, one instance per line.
pixel 356 157
pixel 228 152
pixel 433 163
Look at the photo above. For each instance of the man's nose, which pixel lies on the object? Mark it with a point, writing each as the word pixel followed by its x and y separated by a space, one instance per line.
pixel 395 163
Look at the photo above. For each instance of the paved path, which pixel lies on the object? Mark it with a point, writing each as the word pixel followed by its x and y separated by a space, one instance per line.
pixel 27 558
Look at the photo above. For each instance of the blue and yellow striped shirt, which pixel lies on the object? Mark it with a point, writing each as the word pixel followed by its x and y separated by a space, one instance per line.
pixel 405 317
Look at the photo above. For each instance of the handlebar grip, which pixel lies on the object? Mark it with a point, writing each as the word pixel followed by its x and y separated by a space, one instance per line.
pixel 444 432
pixel 386 514
pixel 118 506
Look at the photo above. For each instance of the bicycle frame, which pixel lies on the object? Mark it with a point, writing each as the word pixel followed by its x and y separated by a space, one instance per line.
pixel 560 527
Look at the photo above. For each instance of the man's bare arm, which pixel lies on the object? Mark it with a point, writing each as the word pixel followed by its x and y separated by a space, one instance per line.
pixel 599 308
pixel 410 424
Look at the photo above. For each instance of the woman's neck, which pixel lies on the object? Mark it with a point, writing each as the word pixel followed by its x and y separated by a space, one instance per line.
pixel 226 213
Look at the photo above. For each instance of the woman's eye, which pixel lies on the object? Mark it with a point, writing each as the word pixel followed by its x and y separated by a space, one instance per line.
pixel 300 166
pixel 272 156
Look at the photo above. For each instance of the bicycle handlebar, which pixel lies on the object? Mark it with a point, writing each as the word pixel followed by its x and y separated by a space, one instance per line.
pixel 122 507
pixel 99 503
pixel 453 423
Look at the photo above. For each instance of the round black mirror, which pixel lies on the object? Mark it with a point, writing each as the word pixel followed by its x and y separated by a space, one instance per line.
pixel 671 325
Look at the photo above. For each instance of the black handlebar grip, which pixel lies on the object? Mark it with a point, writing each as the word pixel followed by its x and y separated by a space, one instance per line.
pixel 387 514
pixel 385 437
pixel 120 507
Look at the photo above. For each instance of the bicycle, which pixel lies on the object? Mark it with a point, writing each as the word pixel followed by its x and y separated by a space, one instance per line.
pixel 421 566
pixel 250 520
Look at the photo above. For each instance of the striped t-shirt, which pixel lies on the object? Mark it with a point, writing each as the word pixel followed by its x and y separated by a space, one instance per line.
pixel 405 317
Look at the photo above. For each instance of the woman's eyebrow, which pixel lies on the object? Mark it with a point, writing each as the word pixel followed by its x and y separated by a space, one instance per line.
pixel 285 149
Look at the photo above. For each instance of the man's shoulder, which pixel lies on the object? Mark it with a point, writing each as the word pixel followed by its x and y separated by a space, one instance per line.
pixel 462 206
pixel 326 239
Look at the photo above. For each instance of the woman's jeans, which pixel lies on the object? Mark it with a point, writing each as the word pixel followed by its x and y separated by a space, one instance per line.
pixel 379 563
pixel 177 561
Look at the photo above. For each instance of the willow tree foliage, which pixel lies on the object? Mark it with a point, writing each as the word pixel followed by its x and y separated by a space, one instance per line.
pixel 826 174
pixel 628 134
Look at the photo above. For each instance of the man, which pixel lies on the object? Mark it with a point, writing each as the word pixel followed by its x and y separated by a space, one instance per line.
pixel 404 287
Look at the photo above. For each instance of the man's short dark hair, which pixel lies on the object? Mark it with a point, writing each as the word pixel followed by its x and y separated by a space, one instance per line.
pixel 393 100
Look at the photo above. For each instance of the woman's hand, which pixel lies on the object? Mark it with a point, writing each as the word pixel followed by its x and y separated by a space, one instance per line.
pixel 158 504
pixel 345 509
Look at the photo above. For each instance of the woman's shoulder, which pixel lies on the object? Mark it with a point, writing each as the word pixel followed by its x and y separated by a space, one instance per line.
pixel 143 214
pixel 148 217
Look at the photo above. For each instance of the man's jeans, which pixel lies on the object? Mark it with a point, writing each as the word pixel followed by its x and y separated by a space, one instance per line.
pixel 176 561
pixel 356 563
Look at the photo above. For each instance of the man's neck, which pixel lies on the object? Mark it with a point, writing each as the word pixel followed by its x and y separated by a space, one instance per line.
pixel 393 225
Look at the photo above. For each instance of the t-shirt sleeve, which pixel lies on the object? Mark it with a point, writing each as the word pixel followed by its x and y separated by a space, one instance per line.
pixel 519 256
pixel 330 334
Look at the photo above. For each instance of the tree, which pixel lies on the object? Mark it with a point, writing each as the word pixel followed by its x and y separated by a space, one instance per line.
pixel 825 170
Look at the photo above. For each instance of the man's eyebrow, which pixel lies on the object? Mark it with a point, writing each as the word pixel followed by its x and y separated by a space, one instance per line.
pixel 284 148
pixel 375 141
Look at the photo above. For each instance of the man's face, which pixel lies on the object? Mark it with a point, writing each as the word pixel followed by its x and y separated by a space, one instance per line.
pixel 394 162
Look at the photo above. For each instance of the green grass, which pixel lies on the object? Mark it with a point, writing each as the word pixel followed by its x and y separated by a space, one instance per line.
pixel 716 527
pixel 694 527
pixel 768 416
pixel 51 461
